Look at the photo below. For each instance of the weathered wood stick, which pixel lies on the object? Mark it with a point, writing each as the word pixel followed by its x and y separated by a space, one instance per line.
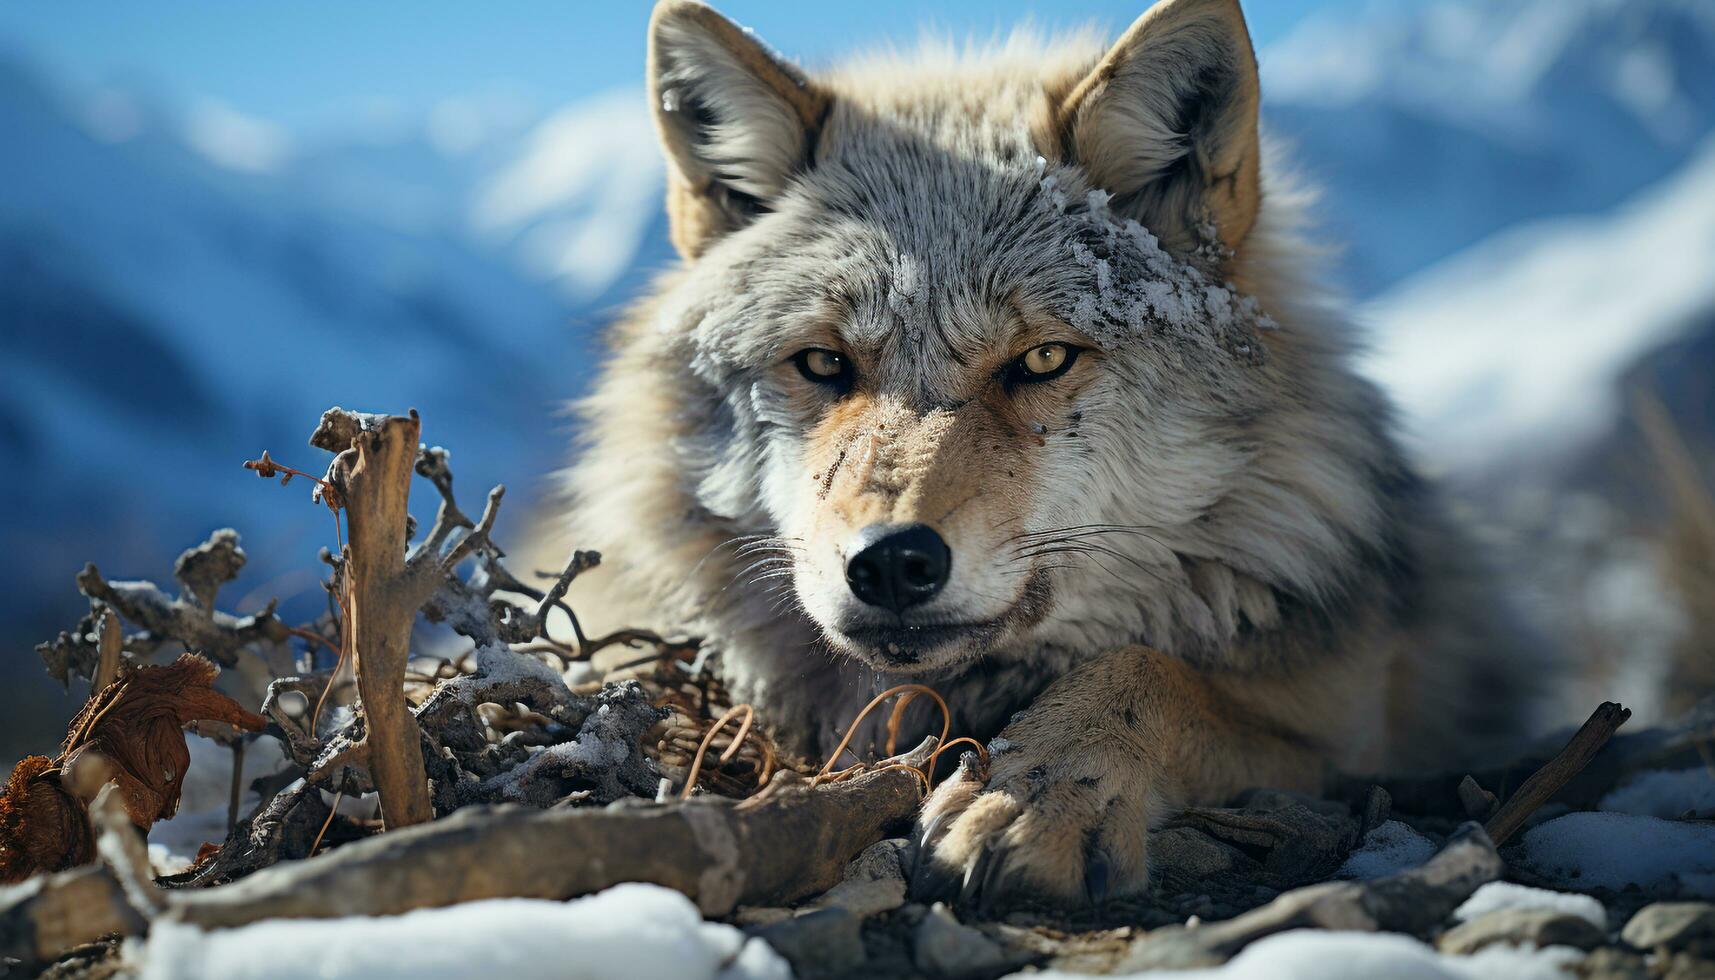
pixel 1671 745
pixel 1547 781
pixel 794 844
pixel 111 645
pixel 373 474
pixel 790 843
pixel 42 918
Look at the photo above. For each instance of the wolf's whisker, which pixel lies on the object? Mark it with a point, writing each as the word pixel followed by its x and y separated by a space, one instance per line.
pixel 1073 533
pixel 768 574
pixel 726 543
pixel 769 544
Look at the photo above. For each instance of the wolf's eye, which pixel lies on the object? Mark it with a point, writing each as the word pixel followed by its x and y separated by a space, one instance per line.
pixel 824 367
pixel 1044 362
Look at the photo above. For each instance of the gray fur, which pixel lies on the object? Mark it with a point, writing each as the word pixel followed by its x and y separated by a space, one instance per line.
pixel 1275 520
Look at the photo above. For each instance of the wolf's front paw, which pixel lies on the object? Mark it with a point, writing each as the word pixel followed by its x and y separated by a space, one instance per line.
pixel 1065 819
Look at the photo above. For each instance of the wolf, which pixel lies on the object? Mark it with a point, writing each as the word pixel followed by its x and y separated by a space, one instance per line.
pixel 1005 370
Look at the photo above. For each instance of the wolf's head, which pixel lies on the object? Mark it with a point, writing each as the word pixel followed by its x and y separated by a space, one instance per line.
pixel 958 343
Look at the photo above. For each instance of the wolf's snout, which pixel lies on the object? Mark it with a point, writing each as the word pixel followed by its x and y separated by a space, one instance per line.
pixel 897 566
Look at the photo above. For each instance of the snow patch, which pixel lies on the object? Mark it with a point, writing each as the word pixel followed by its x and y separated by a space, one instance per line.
pixel 582 196
pixel 1498 895
pixel 1388 848
pixel 1308 954
pixel 1668 794
pixel 165 861
pixel 636 931
pixel 1613 850
pixel 236 141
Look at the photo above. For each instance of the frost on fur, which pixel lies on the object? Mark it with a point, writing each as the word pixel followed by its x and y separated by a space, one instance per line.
pixel 1137 286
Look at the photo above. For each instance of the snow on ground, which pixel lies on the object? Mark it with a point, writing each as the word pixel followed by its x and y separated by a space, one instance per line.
pixel 1669 794
pixel 1311 955
pixel 640 932
pixel 1514 345
pixel 1387 848
pixel 201 817
pixel 1612 850
pixel 1497 895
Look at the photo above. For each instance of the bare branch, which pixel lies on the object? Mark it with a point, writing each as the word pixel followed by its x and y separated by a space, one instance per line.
pixel 791 842
pixel 432 465
pixel 374 476
pixel 188 619
pixel 47 915
pixel 479 536
pixel 112 645
pixel 1545 782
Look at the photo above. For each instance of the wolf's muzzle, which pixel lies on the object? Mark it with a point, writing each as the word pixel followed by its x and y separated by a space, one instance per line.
pixel 897 566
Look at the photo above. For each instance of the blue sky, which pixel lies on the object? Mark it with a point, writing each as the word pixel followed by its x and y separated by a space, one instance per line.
pixel 310 64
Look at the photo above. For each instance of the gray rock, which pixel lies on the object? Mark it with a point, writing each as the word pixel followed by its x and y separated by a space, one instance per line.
pixel 879 861
pixel 1300 838
pixel 1538 927
pixel 1612 963
pixel 1682 966
pixel 944 947
pixel 759 915
pixel 1190 853
pixel 1479 803
pixel 820 942
pixel 865 897
pixel 1411 901
pixel 1378 806
pixel 1671 925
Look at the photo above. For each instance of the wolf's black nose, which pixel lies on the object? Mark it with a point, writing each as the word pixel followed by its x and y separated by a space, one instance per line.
pixel 898 566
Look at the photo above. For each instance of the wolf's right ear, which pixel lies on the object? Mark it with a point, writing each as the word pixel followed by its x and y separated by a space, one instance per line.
pixel 735 120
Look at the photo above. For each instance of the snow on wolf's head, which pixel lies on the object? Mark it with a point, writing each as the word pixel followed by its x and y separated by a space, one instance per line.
pixel 956 339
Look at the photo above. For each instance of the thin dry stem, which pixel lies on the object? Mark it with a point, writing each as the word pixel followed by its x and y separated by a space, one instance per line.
pixel 851 730
pixel 316 844
pixel 696 769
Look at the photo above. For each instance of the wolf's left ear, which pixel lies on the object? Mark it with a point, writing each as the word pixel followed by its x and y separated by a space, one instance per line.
pixel 735 120
pixel 1167 122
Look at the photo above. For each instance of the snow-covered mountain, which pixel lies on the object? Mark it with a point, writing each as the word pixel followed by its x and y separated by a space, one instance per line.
pixel 1513 350
pixel 571 196
pixel 167 316
pixel 1432 128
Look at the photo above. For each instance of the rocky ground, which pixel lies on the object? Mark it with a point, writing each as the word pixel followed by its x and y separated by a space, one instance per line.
pixel 1614 878
pixel 1558 905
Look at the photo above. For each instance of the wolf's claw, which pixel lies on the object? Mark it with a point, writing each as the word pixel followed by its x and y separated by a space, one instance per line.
pixel 924 842
pixel 930 883
pixel 993 887
pixel 976 870
pixel 1055 818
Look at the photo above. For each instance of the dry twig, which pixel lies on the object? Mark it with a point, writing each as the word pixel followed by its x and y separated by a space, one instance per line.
pixel 112 645
pixel 371 472
pixel 1545 782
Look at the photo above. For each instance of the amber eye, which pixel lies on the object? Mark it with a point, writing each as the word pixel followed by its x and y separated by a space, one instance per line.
pixel 824 367
pixel 1044 362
